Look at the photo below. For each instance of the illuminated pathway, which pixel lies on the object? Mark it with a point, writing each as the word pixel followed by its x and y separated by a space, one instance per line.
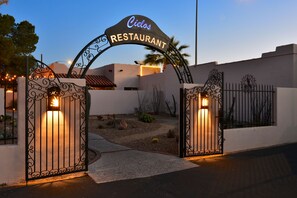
pixel 121 163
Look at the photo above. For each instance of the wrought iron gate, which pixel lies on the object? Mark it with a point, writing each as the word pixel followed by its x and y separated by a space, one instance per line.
pixel 201 127
pixel 8 118
pixel 56 139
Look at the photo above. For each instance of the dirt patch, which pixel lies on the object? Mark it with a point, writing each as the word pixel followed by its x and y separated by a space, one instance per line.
pixel 109 127
pixel 138 135
pixel 163 144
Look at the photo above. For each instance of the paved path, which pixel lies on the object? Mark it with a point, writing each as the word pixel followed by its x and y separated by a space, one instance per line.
pixel 121 163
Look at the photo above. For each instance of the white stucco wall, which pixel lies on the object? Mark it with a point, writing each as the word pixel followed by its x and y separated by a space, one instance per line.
pixel 12 163
pixel 114 101
pixel 107 71
pixel 59 68
pixel 123 75
pixel 278 68
pixel 285 130
pixel 10 98
pixel 126 76
pixel 149 70
pixel 167 82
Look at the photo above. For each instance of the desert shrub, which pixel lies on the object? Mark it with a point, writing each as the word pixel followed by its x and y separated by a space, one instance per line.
pixel 4 117
pixel 144 117
pixel 100 126
pixel 156 100
pixel 99 117
pixel 171 133
pixel 172 110
pixel 110 123
pixel 1 135
pixel 155 140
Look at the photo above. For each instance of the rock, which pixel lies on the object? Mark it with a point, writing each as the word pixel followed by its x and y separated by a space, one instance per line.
pixel 100 117
pixel 123 125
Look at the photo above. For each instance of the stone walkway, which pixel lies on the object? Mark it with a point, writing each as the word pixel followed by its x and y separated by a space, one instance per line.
pixel 121 163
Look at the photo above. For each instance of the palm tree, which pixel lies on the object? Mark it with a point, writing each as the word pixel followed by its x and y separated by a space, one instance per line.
pixel 156 58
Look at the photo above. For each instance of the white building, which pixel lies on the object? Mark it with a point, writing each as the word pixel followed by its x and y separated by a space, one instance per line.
pixel 278 68
pixel 125 76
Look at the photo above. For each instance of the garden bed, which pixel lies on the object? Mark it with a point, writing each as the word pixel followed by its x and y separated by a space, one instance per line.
pixel 151 137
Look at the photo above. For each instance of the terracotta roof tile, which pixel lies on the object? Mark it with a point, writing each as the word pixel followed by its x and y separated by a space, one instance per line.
pixel 92 80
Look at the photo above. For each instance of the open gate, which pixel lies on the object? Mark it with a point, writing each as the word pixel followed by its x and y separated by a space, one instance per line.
pixel 56 131
pixel 201 127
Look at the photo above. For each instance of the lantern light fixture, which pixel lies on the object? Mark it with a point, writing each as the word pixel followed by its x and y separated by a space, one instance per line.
pixel 53 103
pixel 204 100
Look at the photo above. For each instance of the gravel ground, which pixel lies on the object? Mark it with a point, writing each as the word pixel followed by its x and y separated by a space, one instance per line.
pixel 138 135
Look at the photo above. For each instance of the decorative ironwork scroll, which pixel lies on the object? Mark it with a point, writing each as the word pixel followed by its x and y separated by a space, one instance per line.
pixel 133 29
pixel 41 70
pixel 56 141
pixel 88 55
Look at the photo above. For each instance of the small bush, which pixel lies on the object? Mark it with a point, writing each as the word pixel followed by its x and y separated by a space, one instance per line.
pixel 171 133
pixel 3 118
pixel 155 140
pixel 100 126
pixel 110 123
pixel 99 117
pixel 144 117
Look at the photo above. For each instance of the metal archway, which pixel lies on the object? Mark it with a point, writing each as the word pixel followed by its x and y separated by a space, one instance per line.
pixel 135 29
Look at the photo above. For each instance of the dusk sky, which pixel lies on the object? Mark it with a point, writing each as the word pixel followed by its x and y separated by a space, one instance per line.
pixel 228 30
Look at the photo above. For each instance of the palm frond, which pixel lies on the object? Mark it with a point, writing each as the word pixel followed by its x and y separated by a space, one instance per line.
pixel 156 58
pixel 182 47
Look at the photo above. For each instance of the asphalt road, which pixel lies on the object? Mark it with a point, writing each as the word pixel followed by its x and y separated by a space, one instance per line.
pixel 264 173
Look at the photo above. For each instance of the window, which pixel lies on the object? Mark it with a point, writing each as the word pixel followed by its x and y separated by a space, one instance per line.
pixel 130 88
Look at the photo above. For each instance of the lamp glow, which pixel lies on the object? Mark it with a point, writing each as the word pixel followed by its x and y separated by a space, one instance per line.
pixel 53 99
pixel 204 101
pixel 54 102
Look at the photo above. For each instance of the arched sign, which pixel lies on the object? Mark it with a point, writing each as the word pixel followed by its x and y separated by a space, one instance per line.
pixel 138 29
pixel 134 29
